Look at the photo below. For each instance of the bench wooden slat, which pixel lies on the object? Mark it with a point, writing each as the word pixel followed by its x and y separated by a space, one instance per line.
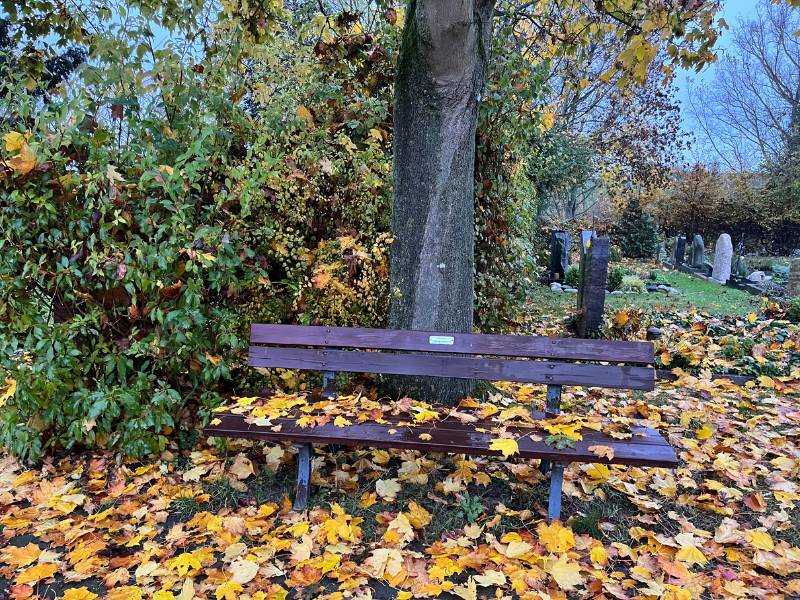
pixel 462 367
pixel 454 343
pixel 463 441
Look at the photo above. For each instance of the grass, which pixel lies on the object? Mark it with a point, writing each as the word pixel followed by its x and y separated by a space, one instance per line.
pixel 695 293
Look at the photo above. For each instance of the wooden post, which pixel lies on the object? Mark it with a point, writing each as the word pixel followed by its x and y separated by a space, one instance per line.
pixel 592 287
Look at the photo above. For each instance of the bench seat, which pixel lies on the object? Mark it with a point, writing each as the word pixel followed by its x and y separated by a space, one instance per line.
pixel 646 448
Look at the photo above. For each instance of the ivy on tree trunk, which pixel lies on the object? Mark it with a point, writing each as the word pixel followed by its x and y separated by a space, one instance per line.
pixel 441 74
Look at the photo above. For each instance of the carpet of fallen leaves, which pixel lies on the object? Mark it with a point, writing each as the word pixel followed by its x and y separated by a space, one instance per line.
pixel 197 522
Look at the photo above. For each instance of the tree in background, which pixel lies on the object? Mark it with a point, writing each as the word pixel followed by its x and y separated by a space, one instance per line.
pixel 750 112
pixel 635 232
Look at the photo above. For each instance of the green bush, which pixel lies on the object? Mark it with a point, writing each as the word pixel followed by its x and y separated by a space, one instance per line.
pixel 615 277
pixel 141 239
pixel 636 231
pixel 614 253
pixel 632 283
pixel 793 311
pixel 572 276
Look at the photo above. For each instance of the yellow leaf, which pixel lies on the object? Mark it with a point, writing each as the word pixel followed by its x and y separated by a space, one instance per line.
pixel 691 555
pixel 704 432
pixel 82 593
pixel 425 436
pixel 14 141
pixel 367 499
pixel 566 573
pixel 602 451
pixel 760 539
pixel 305 115
pixel 765 381
pixel 24 162
pixel 37 572
pixel 418 516
pixel 506 446
pixel 163 595
pixel 229 591
pixel 19 556
pixel 555 537
pixel 340 421
pixel 127 592
pixel 183 563
pixel 598 555
pixel 752 317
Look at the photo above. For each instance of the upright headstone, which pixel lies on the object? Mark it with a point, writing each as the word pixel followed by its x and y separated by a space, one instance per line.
pixel 740 267
pixel 592 288
pixel 793 288
pixel 698 252
pixel 586 235
pixel 559 255
pixel 679 251
pixel 662 252
pixel 723 255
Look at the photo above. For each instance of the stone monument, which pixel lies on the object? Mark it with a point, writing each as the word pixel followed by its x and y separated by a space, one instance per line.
pixel 559 255
pixel 723 254
pixel 698 252
pixel 592 287
pixel 793 288
pixel 679 251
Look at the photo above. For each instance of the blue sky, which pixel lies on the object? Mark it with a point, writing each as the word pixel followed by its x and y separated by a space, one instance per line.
pixel 732 11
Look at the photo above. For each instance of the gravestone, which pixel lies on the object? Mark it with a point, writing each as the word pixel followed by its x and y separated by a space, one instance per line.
pixel 662 252
pixel 679 251
pixel 740 266
pixel 586 235
pixel 698 252
pixel 559 255
pixel 793 288
pixel 592 287
pixel 723 254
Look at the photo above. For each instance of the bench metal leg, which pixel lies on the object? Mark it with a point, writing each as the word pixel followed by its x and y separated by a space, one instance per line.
pixel 551 409
pixel 303 489
pixel 556 481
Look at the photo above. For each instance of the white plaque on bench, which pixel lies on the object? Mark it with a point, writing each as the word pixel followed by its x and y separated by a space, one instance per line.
pixel 441 340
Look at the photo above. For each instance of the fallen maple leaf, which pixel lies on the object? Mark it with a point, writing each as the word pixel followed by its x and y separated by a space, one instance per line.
pixel 602 451
pixel 507 446
pixel 387 489
pixel 567 574
pixel 37 573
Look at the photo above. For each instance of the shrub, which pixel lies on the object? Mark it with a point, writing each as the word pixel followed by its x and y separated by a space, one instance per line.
pixel 614 253
pixel 793 311
pixel 615 277
pixel 633 283
pixel 636 231
pixel 572 276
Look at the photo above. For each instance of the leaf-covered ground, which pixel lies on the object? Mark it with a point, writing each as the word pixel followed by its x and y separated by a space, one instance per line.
pixel 197 522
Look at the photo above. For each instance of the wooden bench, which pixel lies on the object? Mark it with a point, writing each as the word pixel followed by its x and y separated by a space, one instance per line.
pixel 542 360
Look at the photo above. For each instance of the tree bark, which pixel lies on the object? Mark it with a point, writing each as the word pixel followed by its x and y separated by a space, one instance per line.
pixel 441 74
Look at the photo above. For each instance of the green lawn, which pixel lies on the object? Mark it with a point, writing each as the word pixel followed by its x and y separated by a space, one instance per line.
pixel 696 293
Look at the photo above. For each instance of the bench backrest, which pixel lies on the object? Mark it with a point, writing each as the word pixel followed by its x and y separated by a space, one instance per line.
pixel 461 355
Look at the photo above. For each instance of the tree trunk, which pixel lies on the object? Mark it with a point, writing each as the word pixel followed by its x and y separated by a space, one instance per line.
pixel 441 74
